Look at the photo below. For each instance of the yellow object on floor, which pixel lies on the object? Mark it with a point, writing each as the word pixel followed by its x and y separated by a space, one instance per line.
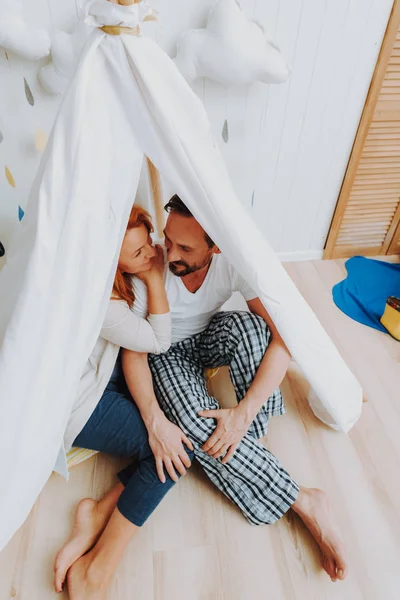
pixel 78 455
pixel 391 317
pixel 210 373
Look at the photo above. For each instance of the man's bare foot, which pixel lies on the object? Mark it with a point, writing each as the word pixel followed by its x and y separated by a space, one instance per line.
pixel 88 526
pixel 83 583
pixel 312 506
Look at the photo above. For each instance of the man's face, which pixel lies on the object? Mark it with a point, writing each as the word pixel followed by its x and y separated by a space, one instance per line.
pixel 186 245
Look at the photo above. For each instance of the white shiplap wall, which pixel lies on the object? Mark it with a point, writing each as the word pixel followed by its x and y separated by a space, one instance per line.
pixel 288 144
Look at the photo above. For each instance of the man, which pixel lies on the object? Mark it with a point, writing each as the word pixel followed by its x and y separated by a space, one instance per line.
pixel 199 281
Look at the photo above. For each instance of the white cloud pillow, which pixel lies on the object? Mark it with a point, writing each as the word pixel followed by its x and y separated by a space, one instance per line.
pixel 20 37
pixel 231 49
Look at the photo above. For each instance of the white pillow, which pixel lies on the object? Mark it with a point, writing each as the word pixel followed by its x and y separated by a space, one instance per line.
pixel 231 49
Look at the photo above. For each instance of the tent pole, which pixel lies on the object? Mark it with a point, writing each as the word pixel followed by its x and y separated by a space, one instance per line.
pixel 156 193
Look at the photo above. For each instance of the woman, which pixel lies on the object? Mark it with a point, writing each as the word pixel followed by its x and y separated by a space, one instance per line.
pixel 111 422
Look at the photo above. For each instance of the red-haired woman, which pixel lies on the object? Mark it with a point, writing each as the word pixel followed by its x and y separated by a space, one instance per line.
pixel 106 418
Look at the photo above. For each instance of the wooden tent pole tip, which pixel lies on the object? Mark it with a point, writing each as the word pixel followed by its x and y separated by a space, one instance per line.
pixel 128 2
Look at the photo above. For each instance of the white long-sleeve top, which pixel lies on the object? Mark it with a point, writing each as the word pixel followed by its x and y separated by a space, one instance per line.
pixel 126 329
pixel 122 328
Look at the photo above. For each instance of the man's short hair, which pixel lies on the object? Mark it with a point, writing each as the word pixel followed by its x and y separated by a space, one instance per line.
pixel 176 205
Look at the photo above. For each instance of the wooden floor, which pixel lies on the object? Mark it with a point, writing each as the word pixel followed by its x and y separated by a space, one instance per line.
pixel 197 546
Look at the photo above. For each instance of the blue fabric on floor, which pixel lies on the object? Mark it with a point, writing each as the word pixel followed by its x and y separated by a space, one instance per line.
pixel 363 294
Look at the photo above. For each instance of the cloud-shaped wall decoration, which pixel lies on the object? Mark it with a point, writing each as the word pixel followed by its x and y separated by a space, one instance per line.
pixel 231 49
pixel 65 50
pixel 19 36
pixel 24 39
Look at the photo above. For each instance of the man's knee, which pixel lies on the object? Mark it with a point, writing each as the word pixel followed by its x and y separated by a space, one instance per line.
pixel 245 323
pixel 197 429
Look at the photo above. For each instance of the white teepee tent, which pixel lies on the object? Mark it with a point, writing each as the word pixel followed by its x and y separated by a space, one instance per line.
pixel 127 100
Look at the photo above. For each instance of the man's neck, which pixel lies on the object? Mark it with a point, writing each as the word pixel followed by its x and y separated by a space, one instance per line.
pixel 194 281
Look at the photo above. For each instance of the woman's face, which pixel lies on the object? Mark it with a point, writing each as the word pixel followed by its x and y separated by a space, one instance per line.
pixel 137 251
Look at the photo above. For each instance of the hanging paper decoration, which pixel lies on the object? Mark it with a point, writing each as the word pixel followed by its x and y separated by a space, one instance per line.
pixel 225 132
pixel 28 93
pixel 40 140
pixel 20 213
pixel 2 250
pixel 10 178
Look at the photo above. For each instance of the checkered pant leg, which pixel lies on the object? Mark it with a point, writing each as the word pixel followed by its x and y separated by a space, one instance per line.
pixel 240 339
pixel 253 479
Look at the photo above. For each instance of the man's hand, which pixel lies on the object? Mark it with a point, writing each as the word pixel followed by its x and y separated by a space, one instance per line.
pixel 232 426
pixel 166 441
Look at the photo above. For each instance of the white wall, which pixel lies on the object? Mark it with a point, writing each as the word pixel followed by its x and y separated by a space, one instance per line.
pixel 289 144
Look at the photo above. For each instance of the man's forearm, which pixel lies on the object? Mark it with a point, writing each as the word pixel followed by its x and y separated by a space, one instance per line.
pixel 140 384
pixel 269 376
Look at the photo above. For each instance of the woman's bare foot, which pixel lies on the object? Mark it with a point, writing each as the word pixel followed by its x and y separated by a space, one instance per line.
pixel 84 583
pixel 312 506
pixel 88 526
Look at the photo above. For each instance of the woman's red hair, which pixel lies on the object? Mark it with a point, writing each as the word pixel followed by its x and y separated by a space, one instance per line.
pixel 122 288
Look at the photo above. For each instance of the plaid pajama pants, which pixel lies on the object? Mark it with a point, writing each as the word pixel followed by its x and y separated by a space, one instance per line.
pixel 253 479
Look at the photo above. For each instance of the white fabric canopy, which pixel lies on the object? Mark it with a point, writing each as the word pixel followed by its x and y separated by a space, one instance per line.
pixel 126 100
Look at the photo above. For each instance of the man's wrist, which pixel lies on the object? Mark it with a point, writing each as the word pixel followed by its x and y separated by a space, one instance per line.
pixel 246 411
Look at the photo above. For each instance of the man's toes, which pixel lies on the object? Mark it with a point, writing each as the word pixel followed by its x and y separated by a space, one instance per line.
pixel 330 567
pixel 341 566
pixel 325 565
pixel 57 562
pixel 342 572
pixel 59 580
pixel 57 584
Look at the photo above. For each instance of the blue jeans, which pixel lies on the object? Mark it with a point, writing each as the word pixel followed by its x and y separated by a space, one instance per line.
pixel 116 427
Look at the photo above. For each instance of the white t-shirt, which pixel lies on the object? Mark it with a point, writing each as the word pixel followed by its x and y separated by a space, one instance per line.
pixel 191 313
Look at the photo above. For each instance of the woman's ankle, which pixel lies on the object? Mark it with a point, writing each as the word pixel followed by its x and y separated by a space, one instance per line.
pixel 98 573
pixel 105 506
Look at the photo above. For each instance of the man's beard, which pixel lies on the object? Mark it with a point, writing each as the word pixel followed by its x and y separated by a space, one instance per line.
pixel 181 269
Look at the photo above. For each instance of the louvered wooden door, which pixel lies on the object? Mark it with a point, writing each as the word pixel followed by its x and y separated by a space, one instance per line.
pixel 394 247
pixel 367 216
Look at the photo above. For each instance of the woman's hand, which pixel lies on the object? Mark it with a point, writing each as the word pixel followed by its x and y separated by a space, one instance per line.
pixel 232 426
pixel 167 443
pixel 157 267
